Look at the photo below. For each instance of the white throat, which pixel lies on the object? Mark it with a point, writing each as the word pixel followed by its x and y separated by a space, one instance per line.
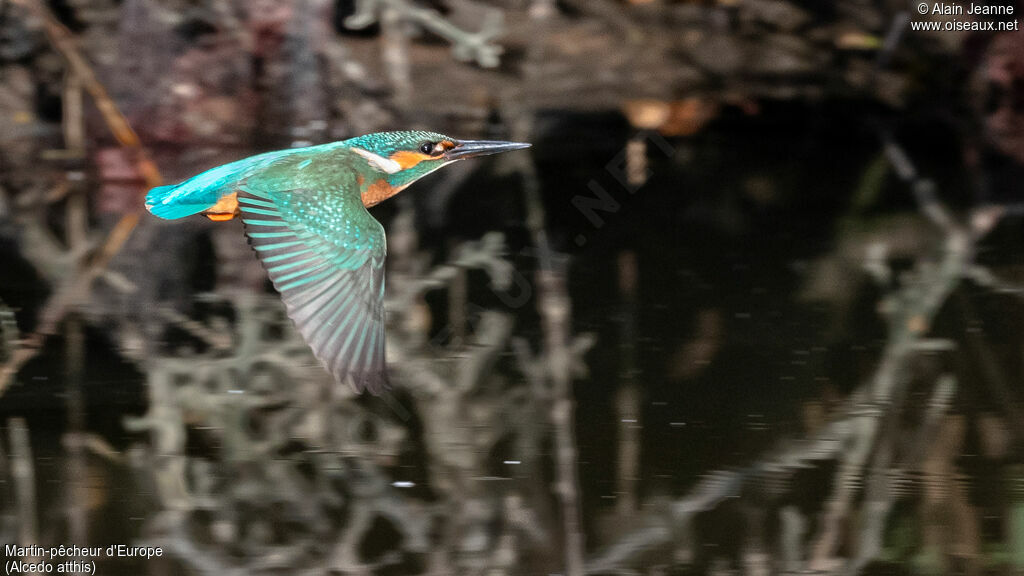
pixel 377 161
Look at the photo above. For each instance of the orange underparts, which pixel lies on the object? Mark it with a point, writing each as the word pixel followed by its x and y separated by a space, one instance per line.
pixel 225 209
pixel 378 192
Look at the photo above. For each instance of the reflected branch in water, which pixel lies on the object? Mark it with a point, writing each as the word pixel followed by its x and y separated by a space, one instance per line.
pixel 852 436
pixel 76 289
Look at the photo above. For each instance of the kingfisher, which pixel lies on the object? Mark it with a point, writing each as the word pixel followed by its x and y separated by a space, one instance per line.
pixel 304 211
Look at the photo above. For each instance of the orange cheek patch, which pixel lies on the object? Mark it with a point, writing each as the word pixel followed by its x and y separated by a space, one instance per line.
pixel 225 208
pixel 407 159
pixel 378 192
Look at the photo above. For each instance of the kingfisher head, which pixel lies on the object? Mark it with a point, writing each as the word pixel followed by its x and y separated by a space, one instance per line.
pixel 401 158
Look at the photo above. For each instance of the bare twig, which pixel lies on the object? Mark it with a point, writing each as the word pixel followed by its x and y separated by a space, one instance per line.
pixel 24 476
pixel 396 56
pixel 77 218
pixel 8 331
pixel 555 308
pixel 628 396
pixel 64 42
pixel 77 496
pixel 72 292
pixel 661 524
pixel 881 494
pixel 477 46
pixel 992 373
pixel 923 188
pixel 987 278
pixel 915 308
pixel 219 340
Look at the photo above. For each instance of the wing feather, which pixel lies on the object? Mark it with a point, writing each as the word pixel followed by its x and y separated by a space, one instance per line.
pixel 332 284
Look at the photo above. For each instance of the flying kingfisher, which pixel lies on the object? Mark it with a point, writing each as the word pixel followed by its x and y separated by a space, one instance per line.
pixel 304 212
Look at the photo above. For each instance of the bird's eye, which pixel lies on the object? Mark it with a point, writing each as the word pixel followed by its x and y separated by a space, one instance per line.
pixel 427 147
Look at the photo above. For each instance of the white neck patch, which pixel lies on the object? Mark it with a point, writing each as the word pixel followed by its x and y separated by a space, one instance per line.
pixel 381 163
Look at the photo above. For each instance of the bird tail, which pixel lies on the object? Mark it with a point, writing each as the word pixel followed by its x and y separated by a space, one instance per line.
pixel 160 201
pixel 203 191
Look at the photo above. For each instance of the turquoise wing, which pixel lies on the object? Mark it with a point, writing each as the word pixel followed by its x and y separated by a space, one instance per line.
pixel 325 255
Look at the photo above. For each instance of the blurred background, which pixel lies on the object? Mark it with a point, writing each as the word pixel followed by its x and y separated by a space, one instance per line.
pixel 752 303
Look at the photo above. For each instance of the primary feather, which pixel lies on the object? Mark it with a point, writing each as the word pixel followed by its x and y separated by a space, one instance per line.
pixel 325 255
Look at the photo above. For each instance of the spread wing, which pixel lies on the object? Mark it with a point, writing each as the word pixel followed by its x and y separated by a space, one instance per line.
pixel 325 255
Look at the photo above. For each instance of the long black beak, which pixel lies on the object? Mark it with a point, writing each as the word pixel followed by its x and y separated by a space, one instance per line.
pixel 472 148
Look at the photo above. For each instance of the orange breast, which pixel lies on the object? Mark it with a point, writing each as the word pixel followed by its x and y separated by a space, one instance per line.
pixel 378 192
